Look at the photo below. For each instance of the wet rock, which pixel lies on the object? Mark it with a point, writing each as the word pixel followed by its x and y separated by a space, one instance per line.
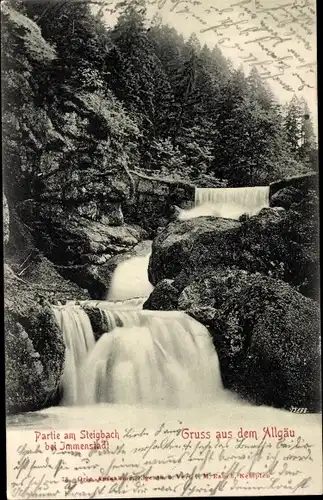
pixel 174 212
pixel 163 298
pixel 34 345
pixel 71 237
pixel 98 321
pixel 94 278
pixel 286 197
pixel 80 248
pixel 244 217
pixel 266 335
pixel 173 247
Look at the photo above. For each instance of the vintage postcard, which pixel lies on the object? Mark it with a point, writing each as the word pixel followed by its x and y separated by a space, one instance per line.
pixel 160 204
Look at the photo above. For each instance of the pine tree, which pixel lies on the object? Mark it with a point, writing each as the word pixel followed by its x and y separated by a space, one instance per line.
pixel 293 125
pixel 168 46
pixel 260 91
pixel 251 146
pixel 308 147
pixel 232 124
pixel 222 66
pixel 188 96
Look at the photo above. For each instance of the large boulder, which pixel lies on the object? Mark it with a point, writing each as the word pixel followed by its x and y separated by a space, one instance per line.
pixel 279 243
pixel 163 298
pixel 285 197
pixel 266 335
pixel 172 248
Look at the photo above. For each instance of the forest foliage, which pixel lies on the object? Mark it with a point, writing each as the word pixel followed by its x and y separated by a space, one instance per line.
pixel 183 108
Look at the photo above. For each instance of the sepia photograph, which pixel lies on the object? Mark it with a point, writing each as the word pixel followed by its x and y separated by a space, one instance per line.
pixel 161 248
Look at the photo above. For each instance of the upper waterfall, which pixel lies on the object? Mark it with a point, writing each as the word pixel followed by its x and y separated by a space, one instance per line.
pixel 228 203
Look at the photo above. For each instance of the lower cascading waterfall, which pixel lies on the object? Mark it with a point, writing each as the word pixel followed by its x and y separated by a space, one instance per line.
pixel 145 357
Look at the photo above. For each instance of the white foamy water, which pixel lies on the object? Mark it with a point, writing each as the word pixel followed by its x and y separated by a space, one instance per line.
pixel 130 279
pixel 146 357
pixel 79 340
pixel 128 304
pixel 225 413
pixel 229 203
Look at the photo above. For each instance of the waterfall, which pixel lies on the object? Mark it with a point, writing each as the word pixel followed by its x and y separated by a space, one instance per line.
pixel 228 203
pixel 145 357
pixel 131 279
pixel 159 358
pixel 79 340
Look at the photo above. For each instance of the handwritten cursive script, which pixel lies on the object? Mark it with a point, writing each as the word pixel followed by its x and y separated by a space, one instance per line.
pixel 277 36
pixel 169 459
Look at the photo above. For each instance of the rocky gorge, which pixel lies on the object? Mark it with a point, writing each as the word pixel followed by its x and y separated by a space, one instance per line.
pixel 74 208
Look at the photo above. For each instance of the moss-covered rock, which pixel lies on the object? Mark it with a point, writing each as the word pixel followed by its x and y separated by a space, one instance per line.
pixel 266 335
pixel 286 197
pixel 163 298
pixel 172 248
pixel 34 347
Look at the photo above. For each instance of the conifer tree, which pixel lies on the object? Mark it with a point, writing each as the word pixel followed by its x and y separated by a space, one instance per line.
pixel 308 147
pixel 293 125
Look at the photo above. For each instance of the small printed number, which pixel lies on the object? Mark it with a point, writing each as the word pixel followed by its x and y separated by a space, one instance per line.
pixel 298 410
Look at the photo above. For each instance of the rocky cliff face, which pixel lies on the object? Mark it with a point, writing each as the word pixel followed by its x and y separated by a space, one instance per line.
pixel 34 347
